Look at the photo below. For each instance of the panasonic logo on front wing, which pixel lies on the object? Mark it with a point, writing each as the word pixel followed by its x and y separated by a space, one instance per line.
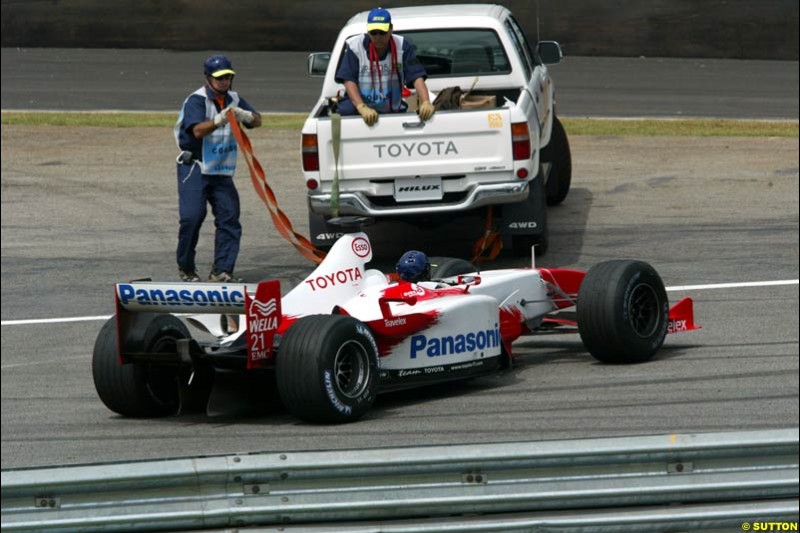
pixel 455 344
pixel 423 149
pixel 188 297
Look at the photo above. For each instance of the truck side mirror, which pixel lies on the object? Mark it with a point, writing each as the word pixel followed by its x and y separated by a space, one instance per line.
pixel 318 63
pixel 549 52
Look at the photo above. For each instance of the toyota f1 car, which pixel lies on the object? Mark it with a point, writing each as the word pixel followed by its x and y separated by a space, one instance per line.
pixel 346 332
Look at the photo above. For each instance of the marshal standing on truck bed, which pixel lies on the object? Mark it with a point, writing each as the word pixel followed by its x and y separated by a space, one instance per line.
pixel 375 68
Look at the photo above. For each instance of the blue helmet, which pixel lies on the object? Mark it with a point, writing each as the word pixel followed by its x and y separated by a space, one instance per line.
pixel 414 266
pixel 218 66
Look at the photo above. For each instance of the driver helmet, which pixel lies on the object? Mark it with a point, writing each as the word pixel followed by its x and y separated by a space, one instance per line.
pixel 414 266
pixel 217 66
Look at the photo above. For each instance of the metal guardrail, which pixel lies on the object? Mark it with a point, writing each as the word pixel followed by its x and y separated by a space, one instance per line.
pixel 695 481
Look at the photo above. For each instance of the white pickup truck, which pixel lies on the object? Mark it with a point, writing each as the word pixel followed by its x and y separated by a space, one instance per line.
pixel 513 155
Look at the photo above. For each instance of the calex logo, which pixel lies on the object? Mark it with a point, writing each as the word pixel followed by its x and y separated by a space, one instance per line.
pixel 677 325
pixel 335 278
pixel 455 344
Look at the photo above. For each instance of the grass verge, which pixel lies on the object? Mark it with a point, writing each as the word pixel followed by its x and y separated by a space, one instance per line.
pixel 690 127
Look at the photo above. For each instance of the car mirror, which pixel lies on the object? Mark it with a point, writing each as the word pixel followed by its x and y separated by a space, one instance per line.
pixel 549 52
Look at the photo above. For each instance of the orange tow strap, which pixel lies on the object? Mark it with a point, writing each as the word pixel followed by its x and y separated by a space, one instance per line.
pixel 491 241
pixel 279 218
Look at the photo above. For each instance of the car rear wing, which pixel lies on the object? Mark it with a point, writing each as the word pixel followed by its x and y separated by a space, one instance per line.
pixel 154 297
pixel 137 301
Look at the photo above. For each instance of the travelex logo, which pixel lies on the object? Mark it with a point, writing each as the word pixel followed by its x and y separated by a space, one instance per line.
pixel 455 344
pixel 222 296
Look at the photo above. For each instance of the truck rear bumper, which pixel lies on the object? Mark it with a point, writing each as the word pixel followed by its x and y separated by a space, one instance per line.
pixel 357 203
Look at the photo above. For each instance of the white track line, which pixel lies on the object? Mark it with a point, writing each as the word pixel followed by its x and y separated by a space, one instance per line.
pixel 676 288
pixel 52 320
pixel 733 285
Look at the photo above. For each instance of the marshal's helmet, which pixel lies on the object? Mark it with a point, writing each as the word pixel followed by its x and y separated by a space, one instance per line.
pixel 217 66
pixel 414 266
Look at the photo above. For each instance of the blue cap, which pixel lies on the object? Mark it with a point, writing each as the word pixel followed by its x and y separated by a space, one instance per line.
pixel 414 266
pixel 218 66
pixel 379 19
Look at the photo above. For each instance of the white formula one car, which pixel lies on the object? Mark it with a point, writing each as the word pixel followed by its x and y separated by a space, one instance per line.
pixel 346 332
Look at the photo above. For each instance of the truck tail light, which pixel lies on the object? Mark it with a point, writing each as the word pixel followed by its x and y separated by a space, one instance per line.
pixel 310 153
pixel 520 141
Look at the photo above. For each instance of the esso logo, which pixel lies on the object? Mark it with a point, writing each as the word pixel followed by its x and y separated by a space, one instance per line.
pixel 361 247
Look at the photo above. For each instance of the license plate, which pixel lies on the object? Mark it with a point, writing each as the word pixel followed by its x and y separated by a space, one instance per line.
pixel 418 189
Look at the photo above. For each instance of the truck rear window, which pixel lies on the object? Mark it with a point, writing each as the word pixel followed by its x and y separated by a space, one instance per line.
pixel 467 52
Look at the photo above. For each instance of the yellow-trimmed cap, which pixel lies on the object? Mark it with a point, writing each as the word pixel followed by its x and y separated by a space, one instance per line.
pixel 379 19
pixel 219 73
pixel 217 66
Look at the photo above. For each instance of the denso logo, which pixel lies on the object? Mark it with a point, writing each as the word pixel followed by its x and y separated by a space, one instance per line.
pixel 336 278
pixel 361 247
pixel 455 344
pixel 128 294
pixel 423 149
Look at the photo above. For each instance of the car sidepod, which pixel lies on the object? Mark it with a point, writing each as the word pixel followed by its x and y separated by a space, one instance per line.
pixel 462 339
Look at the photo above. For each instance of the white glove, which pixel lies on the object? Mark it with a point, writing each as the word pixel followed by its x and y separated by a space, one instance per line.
pixel 243 116
pixel 222 117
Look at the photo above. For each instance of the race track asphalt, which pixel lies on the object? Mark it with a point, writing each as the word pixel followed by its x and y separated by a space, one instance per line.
pixel 83 208
pixel 159 80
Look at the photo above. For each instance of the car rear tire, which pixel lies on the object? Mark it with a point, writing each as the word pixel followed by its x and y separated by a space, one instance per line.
pixel 139 389
pixel 558 154
pixel 623 311
pixel 327 369
pixel 447 267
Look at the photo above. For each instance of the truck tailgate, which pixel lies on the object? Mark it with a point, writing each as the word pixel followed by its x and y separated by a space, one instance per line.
pixel 451 143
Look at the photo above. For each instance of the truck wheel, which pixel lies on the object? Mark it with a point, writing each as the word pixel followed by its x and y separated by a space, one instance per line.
pixel 327 369
pixel 622 311
pixel 447 267
pixel 139 389
pixel 558 154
